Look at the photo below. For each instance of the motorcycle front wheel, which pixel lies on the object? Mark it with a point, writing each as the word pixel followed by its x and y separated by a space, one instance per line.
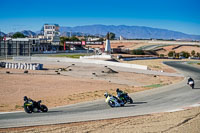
pixel 111 103
pixel 131 101
pixel 27 110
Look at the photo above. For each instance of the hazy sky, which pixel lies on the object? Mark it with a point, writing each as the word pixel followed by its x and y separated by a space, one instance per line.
pixel 177 15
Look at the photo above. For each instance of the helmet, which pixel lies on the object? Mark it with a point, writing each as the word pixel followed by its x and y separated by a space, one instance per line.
pixel 25 98
pixel 117 90
pixel 106 94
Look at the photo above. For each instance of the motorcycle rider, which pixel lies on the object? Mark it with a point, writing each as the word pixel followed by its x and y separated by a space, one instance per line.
pixel 123 96
pixel 106 94
pixel 33 106
pixel 26 99
pixel 190 79
pixel 119 92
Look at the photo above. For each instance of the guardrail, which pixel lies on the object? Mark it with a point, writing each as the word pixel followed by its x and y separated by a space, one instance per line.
pixel 27 66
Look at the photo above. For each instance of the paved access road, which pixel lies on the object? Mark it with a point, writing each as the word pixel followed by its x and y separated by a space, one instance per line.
pixel 151 101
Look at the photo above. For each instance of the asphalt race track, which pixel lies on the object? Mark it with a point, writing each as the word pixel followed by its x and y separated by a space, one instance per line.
pixel 151 101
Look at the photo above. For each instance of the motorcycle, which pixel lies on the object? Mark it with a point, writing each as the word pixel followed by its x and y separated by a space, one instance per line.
pixel 31 106
pixel 113 101
pixel 125 98
pixel 191 83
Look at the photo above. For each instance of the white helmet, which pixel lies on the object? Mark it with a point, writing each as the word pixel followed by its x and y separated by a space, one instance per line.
pixel 106 94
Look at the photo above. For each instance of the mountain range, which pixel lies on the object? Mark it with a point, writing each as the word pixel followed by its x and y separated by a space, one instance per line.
pixel 2 34
pixel 129 32
pixel 28 33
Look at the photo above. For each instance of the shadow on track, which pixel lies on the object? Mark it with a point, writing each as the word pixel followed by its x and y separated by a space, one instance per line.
pixel 134 104
pixel 129 105
pixel 139 102
pixel 196 88
pixel 54 112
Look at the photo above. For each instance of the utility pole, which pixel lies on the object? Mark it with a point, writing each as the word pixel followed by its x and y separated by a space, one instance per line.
pixel 6 48
pixel 29 51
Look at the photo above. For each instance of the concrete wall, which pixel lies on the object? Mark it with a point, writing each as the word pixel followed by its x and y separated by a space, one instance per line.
pixel 96 56
pixel 107 63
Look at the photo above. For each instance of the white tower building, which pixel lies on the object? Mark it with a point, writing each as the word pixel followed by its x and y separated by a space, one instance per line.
pixel 108 47
pixel 51 32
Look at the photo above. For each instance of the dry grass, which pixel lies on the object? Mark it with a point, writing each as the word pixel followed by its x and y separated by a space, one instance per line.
pixel 57 90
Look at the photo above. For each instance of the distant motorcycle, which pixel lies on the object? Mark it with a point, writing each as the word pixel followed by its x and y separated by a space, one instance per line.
pixel 31 106
pixel 191 83
pixel 113 101
pixel 125 98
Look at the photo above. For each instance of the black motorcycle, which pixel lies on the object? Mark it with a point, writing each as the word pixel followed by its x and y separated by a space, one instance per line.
pixel 32 106
pixel 125 98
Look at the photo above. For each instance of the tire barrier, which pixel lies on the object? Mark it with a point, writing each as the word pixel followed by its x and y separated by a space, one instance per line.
pixel 26 66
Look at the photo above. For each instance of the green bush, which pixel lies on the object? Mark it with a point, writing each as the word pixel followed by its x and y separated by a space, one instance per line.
pixel 193 53
pixel 198 54
pixel 185 54
pixel 137 52
pixel 162 55
pixel 171 53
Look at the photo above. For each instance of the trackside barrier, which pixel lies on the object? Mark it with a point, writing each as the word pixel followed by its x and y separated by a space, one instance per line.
pixel 139 58
pixel 27 66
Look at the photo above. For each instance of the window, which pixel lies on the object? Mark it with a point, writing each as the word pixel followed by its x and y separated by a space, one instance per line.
pixel 49 32
pixel 48 27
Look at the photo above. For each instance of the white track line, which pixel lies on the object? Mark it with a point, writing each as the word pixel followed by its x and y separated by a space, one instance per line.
pixel 10 112
pixel 184 108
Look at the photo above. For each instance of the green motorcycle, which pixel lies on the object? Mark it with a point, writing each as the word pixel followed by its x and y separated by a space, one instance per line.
pixel 125 98
pixel 32 106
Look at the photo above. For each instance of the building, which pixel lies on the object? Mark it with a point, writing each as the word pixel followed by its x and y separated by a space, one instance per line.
pixel 93 39
pixel 25 47
pixel 16 47
pixel 51 33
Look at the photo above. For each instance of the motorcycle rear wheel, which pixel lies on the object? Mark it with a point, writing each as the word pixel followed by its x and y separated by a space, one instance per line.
pixel 44 108
pixel 193 86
